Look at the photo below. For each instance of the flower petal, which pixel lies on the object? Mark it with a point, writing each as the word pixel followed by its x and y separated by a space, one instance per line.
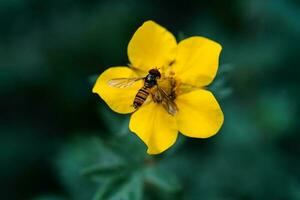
pixel 199 114
pixel 118 99
pixel 155 127
pixel 151 46
pixel 197 61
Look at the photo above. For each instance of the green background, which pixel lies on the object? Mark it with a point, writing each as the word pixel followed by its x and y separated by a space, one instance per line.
pixel 59 141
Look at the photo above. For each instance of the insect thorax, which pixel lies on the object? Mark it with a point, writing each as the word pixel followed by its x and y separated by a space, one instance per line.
pixel 150 80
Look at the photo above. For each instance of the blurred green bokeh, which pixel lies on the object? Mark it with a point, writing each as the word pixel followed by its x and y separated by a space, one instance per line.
pixel 59 141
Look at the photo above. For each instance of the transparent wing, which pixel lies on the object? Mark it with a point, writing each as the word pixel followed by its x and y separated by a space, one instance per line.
pixel 161 96
pixel 123 82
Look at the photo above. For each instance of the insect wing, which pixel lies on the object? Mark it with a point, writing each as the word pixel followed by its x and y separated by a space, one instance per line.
pixel 167 102
pixel 123 82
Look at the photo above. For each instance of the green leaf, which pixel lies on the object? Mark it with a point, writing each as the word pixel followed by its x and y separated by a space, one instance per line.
pixel 220 85
pixel 92 79
pixel 162 179
pixel 116 124
pixel 102 170
pixel 181 36
pixel 129 188
pixel 77 157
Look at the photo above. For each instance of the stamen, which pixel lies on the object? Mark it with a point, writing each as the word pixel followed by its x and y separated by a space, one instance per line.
pixel 172 62
pixel 168 84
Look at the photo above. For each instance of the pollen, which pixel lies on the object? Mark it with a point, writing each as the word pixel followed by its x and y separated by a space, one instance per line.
pixel 168 84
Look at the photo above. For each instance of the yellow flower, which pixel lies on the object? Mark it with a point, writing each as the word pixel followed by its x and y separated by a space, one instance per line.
pixel 191 64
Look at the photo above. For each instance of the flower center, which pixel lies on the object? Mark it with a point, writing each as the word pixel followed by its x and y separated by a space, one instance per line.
pixel 168 84
pixel 166 93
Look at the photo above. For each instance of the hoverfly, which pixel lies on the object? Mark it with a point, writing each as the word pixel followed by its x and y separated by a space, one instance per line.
pixel 159 95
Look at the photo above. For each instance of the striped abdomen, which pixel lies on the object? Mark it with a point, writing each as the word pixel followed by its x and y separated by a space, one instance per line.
pixel 141 97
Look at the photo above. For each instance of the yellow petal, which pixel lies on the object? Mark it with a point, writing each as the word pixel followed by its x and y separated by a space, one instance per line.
pixel 118 99
pixel 156 128
pixel 199 114
pixel 151 46
pixel 197 61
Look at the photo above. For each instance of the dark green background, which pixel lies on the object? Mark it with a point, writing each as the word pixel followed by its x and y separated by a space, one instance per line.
pixel 59 141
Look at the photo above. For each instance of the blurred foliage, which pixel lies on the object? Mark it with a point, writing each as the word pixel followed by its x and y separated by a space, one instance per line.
pixel 59 141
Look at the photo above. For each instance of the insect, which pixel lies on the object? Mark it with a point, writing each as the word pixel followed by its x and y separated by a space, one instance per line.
pixel 159 95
